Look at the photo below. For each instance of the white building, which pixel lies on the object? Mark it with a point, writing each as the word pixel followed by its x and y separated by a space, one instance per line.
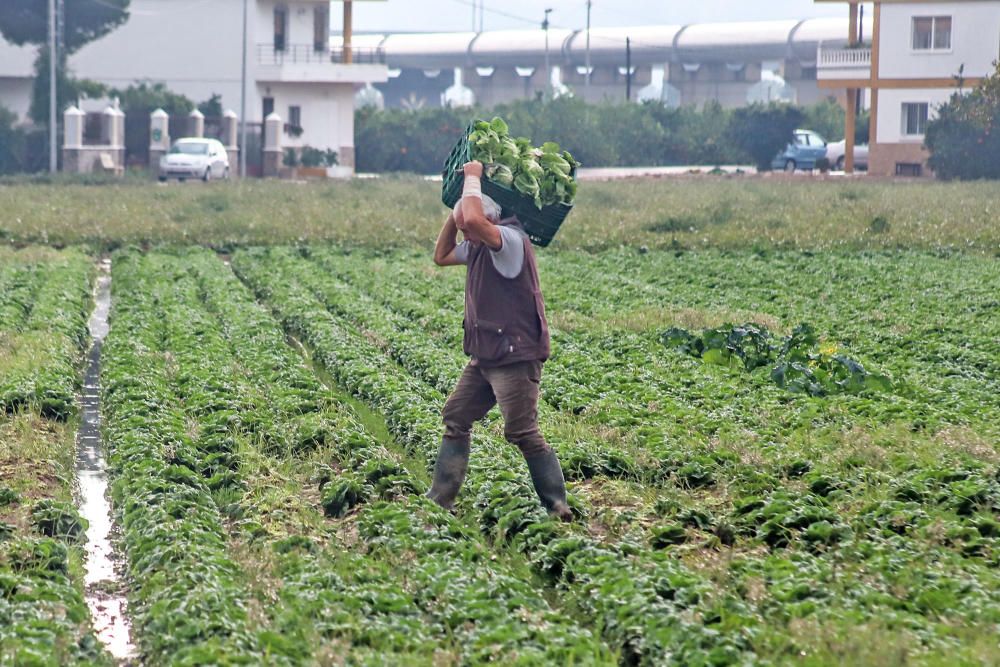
pixel 195 48
pixel 918 50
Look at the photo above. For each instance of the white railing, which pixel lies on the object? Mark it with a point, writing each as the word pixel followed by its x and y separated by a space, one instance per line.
pixel 844 58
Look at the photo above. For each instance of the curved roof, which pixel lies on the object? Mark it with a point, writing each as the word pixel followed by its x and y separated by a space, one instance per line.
pixel 757 40
pixel 516 47
pixel 649 43
pixel 429 50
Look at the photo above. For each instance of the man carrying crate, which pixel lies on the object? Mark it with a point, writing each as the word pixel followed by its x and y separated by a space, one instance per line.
pixel 507 338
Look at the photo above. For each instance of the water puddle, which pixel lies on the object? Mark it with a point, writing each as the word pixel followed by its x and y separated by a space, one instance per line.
pixel 104 587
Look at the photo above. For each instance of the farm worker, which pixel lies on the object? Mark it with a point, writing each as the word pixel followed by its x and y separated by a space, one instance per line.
pixel 507 338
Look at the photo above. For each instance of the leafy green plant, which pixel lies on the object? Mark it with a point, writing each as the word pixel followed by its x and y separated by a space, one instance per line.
pixel 543 174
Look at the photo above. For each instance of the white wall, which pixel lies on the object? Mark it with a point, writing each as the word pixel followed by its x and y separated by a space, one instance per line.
pixel 975 40
pixel 327 113
pixel 890 111
pixel 192 46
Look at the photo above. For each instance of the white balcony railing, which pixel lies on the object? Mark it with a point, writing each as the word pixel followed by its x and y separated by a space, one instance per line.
pixel 844 58
pixel 307 54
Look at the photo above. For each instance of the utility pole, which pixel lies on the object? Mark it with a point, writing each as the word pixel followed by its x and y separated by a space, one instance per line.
pixel 53 163
pixel 586 83
pixel 243 100
pixel 482 14
pixel 628 69
pixel 548 69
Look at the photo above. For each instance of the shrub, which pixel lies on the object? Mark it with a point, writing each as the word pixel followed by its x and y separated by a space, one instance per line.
pixel 962 139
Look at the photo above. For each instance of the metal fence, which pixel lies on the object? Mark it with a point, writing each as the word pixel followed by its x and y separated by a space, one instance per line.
pixel 298 54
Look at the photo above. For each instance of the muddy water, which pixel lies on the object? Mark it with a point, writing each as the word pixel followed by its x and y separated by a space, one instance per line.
pixel 105 589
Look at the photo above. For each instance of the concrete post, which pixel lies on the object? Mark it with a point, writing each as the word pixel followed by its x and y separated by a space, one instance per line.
pixel 159 138
pixel 196 127
pixel 273 156
pixel 119 136
pixel 230 134
pixel 73 120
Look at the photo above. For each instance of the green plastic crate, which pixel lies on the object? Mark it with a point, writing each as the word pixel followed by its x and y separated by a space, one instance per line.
pixel 540 225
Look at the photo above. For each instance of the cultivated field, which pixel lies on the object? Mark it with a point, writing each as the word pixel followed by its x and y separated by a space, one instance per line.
pixel 271 387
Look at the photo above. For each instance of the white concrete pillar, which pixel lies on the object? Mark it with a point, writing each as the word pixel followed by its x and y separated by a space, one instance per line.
pixel 73 120
pixel 273 156
pixel 159 138
pixel 230 137
pixel 196 127
pixel 109 126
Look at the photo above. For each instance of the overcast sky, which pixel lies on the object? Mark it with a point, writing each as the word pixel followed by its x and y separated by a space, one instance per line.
pixel 451 15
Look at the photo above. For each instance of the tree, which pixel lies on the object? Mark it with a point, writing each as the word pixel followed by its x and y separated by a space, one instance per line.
pixel 964 139
pixel 26 22
pixel 762 131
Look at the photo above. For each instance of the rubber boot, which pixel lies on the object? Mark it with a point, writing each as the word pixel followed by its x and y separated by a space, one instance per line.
pixel 449 472
pixel 549 483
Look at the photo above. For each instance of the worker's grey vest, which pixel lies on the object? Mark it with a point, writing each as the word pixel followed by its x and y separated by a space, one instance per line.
pixel 504 317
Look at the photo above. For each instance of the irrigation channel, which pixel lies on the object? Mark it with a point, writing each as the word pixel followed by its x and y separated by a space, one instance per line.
pixel 104 587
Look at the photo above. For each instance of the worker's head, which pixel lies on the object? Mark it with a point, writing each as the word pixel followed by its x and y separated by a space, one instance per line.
pixel 491 209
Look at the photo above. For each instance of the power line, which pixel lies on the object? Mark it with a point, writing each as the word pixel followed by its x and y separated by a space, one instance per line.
pixel 498 12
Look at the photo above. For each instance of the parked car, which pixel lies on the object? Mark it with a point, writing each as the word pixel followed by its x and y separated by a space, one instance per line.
pixel 195 158
pixel 801 153
pixel 835 154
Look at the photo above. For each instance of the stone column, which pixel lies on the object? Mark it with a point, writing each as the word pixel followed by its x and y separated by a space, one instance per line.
pixel 118 138
pixel 273 156
pixel 73 120
pixel 196 124
pixel 159 138
pixel 230 137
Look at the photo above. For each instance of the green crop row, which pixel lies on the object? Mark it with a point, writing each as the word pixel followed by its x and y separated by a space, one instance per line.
pixel 43 332
pixel 44 303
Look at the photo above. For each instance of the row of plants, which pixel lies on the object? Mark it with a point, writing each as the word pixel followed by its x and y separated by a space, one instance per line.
pixel 170 472
pixel 44 619
pixel 44 307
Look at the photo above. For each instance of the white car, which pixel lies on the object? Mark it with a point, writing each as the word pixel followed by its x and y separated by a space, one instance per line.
pixel 195 158
pixel 835 154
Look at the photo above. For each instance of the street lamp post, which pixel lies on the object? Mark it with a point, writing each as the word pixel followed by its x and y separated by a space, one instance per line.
pixel 53 162
pixel 548 70
pixel 587 63
pixel 243 100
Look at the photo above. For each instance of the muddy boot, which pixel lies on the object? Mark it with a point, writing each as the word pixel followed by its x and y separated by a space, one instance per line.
pixel 449 472
pixel 548 479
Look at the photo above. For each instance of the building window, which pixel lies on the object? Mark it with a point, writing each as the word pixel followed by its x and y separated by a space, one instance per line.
pixel 914 118
pixel 321 28
pixel 294 124
pixel 931 33
pixel 280 28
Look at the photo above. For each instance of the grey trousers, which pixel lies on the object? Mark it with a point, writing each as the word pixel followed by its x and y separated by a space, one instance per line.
pixel 514 387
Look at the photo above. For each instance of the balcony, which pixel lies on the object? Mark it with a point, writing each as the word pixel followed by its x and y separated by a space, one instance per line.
pixel 844 63
pixel 303 63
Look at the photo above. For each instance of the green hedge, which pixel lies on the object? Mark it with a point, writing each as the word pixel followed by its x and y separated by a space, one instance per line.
pixel 601 135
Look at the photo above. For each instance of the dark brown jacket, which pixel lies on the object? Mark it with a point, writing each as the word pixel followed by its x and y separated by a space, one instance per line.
pixel 504 317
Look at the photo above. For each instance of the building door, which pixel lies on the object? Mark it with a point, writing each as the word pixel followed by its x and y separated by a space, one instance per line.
pixel 280 28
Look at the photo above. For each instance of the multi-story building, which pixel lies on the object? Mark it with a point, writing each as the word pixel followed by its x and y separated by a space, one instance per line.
pixel 196 49
pixel 921 53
